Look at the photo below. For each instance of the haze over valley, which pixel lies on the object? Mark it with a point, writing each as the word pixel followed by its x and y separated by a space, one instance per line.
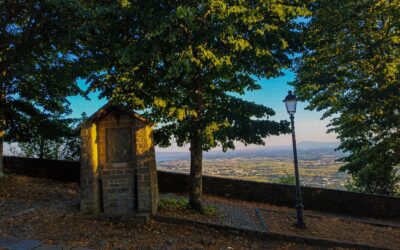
pixel 317 163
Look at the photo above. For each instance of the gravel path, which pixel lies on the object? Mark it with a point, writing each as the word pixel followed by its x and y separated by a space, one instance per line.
pixel 230 214
pixel 238 217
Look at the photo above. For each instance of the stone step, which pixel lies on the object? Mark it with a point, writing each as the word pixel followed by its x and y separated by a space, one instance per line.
pixel 12 243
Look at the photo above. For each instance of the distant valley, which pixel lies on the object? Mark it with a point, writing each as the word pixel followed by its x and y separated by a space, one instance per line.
pixel 317 162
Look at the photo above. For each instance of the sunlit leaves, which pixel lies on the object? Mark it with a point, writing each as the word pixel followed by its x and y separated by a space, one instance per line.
pixel 159 102
pixel 191 56
pixel 125 3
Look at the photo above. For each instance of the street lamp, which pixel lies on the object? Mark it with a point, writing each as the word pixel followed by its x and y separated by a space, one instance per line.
pixel 290 102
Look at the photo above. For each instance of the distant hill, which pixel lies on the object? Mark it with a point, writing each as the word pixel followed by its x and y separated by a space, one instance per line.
pixel 306 150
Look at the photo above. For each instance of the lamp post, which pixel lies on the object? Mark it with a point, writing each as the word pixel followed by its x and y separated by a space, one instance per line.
pixel 290 102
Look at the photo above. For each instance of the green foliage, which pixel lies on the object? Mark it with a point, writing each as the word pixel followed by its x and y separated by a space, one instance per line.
pixel 63 144
pixel 287 179
pixel 183 203
pixel 40 59
pixel 351 71
pixel 371 178
pixel 209 210
pixel 175 203
pixel 186 63
pixel 62 149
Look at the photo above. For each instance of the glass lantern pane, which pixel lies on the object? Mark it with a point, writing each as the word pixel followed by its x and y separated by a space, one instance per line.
pixel 291 106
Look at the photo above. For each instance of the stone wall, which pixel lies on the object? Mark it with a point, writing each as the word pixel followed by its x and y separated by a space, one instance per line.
pixel 65 171
pixel 1 154
pixel 117 177
pixel 89 172
pixel 118 170
pixel 146 168
pixel 319 199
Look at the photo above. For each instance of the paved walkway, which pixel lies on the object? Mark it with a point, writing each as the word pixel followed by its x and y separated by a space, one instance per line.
pixel 234 216
pixel 12 243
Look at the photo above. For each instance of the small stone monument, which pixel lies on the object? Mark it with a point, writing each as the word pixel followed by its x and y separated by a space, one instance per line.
pixel 118 166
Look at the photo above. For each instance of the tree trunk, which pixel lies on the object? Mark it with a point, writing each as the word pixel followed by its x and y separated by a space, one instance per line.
pixel 41 149
pixel 196 162
pixel 196 150
pixel 1 152
pixel 2 124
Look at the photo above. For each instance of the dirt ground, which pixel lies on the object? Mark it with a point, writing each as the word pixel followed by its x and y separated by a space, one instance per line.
pixel 33 208
pixel 279 219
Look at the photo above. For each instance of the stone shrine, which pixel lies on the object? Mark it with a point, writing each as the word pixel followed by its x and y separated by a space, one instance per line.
pixel 118 165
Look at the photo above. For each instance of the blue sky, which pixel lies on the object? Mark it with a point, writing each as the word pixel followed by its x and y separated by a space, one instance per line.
pixel 309 127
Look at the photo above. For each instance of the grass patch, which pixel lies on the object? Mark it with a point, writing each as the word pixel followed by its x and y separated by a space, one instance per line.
pixel 174 203
pixel 6 177
pixel 286 179
pixel 210 210
pixel 182 203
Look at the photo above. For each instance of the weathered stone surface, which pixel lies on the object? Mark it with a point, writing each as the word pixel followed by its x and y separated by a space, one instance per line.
pixel 49 247
pixel 7 241
pixel 118 167
pixel 12 243
pixel 24 245
pixel 119 145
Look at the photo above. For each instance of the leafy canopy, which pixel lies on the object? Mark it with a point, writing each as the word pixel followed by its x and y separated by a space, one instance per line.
pixel 351 71
pixel 186 62
pixel 39 62
pixel 56 139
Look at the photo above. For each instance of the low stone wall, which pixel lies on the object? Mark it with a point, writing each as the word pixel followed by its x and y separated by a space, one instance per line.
pixel 320 199
pixel 67 171
pixel 325 200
